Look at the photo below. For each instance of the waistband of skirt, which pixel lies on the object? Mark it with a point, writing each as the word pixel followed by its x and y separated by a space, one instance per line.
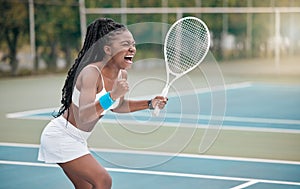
pixel 70 128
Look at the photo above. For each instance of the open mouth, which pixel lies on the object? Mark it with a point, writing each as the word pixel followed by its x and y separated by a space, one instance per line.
pixel 129 58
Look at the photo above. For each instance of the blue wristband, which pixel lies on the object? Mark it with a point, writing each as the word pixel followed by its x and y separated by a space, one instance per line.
pixel 106 101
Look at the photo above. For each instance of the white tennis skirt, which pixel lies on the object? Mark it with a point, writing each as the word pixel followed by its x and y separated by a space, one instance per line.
pixel 62 142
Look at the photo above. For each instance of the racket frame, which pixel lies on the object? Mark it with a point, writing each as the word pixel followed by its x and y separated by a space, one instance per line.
pixel 168 70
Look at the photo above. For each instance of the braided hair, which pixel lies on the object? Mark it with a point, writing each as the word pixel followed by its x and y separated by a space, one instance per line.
pixel 99 32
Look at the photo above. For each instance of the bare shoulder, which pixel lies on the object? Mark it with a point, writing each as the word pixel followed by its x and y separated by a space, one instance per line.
pixel 89 75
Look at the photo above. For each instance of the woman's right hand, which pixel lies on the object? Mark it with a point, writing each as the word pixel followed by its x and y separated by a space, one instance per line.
pixel 120 87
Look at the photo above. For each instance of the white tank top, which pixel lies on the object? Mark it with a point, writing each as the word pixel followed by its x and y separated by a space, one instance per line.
pixel 76 94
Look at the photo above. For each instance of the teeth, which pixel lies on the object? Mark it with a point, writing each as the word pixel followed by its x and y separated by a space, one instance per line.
pixel 129 58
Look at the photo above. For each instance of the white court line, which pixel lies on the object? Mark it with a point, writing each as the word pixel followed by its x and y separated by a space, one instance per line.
pixel 250 183
pixel 24 114
pixel 196 156
pixel 195 125
pixel 224 118
pixel 162 173
pixel 239 127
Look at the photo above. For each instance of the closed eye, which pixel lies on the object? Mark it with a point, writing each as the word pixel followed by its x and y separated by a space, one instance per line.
pixel 127 44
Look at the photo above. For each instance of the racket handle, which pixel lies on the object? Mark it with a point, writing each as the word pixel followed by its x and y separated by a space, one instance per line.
pixel 156 111
pixel 164 94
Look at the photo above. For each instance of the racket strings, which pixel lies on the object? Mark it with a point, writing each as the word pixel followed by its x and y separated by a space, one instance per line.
pixel 186 45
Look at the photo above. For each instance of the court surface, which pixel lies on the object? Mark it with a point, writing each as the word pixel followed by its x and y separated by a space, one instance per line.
pixel 252 108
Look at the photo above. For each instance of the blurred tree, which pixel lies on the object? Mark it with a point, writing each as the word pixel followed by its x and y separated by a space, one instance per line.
pixel 69 32
pixel 13 24
pixel 57 30
pixel 58 26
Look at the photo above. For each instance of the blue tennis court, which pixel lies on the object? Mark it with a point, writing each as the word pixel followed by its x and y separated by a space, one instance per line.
pixel 248 106
pixel 193 171
pixel 253 110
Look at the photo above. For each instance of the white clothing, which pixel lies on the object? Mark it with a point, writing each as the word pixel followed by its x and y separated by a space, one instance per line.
pixel 62 142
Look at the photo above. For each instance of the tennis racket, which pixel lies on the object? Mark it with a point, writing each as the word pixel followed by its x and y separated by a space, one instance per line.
pixel 186 45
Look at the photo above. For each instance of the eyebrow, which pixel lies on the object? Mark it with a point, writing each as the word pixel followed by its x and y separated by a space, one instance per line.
pixel 128 41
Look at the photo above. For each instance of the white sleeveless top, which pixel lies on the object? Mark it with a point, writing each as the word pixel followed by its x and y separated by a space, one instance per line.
pixel 76 94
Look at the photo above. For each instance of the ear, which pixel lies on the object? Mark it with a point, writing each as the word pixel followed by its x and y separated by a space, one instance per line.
pixel 107 50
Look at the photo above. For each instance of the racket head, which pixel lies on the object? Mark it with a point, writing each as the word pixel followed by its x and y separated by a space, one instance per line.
pixel 186 45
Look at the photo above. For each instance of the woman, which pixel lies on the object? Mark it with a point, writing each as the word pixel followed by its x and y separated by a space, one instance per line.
pixel 96 83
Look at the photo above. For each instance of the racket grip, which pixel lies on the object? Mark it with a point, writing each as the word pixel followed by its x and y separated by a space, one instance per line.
pixel 164 94
pixel 156 111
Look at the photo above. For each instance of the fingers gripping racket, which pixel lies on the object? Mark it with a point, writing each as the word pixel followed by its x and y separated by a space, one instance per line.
pixel 186 45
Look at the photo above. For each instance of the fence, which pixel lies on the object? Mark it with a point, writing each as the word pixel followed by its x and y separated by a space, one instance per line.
pixel 281 37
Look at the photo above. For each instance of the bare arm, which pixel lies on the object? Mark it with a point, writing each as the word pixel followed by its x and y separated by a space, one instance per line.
pixel 89 109
pixel 127 106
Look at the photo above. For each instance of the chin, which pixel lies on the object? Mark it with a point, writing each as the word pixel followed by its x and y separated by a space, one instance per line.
pixel 128 66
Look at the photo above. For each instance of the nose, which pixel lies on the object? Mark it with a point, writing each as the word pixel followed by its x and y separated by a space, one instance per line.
pixel 132 48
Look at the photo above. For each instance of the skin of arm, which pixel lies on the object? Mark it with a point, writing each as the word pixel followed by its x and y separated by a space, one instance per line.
pixel 127 106
pixel 89 109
